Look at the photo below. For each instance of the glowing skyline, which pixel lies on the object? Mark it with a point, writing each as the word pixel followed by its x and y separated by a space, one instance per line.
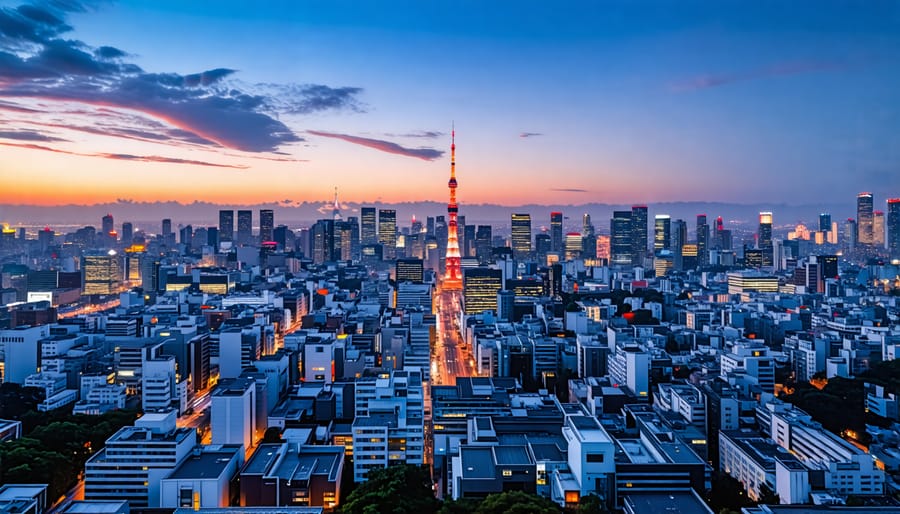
pixel 585 102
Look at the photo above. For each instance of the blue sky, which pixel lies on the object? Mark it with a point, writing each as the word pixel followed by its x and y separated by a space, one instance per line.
pixel 617 101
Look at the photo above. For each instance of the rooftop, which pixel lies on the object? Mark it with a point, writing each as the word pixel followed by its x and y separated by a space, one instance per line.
pixel 210 463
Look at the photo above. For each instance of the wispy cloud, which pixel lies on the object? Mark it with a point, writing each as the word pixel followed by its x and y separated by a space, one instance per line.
pixel 209 108
pixel 29 135
pixel 427 154
pixel 569 190
pixel 530 134
pixel 125 157
pixel 778 70
pixel 422 134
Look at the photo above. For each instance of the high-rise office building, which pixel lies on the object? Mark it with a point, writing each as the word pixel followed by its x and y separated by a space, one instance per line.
pixel 621 234
pixel 127 233
pixel 662 232
pixel 639 233
pixel 588 238
pixel 480 287
pixel 186 235
pixel 409 270
pixel 166 227
pixel 702 240
pixel 573 247
pixel 521 235
pixel 865 218
pixel 824 222
pixel 322 241
pixel 764 238
pixel 483 238
pixel 368 225
pixel 266 225
pixel 878 228
pixel 226 225
pixel 556 231
pixel 851 233
pixel 387 232
pixel 101 273
pixel 244 227
pixel 893 227
pixel 108 225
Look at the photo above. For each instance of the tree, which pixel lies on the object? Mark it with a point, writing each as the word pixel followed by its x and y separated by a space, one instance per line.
pixel 727 493
pixel 399 489
pixel 272 435
pixel 767 496
pixel 516 502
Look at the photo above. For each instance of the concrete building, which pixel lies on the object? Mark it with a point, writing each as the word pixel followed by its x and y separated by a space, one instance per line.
pixel 293 475
pixel 136 459
pixel 233 413
pixel 204 479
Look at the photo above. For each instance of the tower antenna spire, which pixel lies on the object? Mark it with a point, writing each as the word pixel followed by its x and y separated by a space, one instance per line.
pixel 452 274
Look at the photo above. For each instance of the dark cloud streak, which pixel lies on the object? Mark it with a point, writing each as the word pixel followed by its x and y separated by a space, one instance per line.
pixel 426 154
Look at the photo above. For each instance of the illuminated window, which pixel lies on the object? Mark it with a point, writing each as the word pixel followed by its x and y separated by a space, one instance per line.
pixel 507 472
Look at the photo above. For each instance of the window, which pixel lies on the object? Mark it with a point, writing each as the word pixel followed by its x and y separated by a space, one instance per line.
pixel 594 457
pixel 507 472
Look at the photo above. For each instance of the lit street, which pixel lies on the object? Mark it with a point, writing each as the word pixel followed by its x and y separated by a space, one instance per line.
pixel 451 359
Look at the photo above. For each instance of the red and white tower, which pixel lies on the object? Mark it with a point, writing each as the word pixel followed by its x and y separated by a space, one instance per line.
pixel 453 276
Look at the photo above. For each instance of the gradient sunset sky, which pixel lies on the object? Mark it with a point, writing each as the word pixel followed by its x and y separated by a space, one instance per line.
pixel 554 102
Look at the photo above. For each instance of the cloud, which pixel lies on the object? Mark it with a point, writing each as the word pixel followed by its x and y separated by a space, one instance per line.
pixel 426 154
pixel 424 134
pixel 124 157
pixel 29 135
pixel 530 134
pixel 570 190
pixel 215 109
pixel 777 70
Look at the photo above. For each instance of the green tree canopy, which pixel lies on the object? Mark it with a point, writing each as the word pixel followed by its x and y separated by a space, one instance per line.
pixel 399 489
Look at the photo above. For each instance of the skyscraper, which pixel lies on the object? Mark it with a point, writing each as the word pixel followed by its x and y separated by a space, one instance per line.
pixel 108 225
pixel 893 227
pixel 878 228
pixel 387 232
pixel 702 240
pixel 588 238
pixel 266 224
pixel 480 287
pixel 244 227
pixel 166 227
pixel 865 218
pixel 851 234
pixel 101 273
pixel 556 231
pixel 764 238
pixel 483 237
pixel 639 233
pixel 824 222
pixel 521 235
pixel 621 234
pixel 322 241
pixel 127 233
pixel 368 224
pixel 662 232
pixel 453 276
pixel 226 225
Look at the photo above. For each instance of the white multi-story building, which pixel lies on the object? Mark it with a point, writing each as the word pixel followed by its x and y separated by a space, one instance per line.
pixel 136 459
pixel 630 366
pixel 389 425
pixel 591 462
pixel 848 470
pixel 203 479
pixel 21 349
pixel 233 413
pixel 753 360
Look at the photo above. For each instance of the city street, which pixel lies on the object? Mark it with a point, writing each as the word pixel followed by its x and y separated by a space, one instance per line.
pixel 451 359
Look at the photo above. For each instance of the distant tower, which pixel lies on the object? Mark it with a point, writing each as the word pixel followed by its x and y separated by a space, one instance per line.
pixel 336 208
pixel 865 218
pixel 453 276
